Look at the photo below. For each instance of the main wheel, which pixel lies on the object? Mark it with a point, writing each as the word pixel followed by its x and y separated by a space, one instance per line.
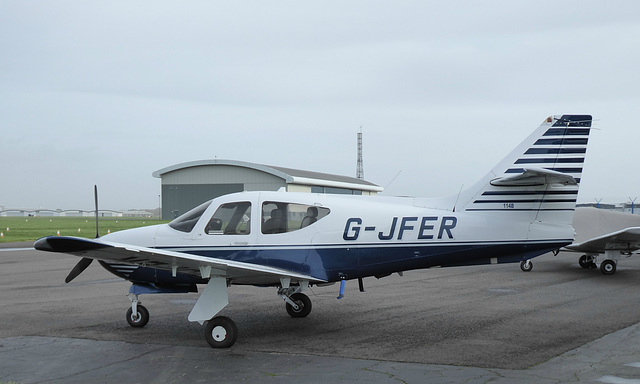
pixel 221 332
pixel 526 265
pixel 141 319
pixel 608 267
pixel 304 305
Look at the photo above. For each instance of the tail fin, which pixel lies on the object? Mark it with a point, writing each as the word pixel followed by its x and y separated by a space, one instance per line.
pixel 539 180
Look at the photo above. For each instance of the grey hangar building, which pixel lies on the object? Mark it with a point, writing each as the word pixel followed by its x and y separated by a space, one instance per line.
pixel 187 185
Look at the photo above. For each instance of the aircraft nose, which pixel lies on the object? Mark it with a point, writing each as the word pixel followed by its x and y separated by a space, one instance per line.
pixel 143 236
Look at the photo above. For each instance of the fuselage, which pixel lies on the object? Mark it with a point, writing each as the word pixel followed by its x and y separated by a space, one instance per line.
pixel 334 237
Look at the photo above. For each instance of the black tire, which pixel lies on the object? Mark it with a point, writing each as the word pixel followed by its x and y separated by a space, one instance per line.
pixel 608 267
pixel 139 321
pixel 303 301
pixel 526 266
pixel 583 262
pixel 586 264
pixel 221 332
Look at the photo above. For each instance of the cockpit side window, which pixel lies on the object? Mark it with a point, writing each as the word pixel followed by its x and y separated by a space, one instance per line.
pixel 187 221
pixel 279 217
pixel 231 219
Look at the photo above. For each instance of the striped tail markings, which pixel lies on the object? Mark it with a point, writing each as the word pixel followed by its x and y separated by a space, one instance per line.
pixel 542 174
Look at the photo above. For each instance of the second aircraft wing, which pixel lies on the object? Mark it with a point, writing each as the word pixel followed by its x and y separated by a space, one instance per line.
pixel 626 240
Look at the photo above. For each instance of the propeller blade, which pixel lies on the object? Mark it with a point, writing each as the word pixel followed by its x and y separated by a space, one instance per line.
pixel 81 266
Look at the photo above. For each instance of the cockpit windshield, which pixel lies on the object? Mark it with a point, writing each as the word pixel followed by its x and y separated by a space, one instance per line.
pixel 186 222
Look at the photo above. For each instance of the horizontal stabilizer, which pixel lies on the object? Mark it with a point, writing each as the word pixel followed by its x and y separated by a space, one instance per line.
pixel 534 177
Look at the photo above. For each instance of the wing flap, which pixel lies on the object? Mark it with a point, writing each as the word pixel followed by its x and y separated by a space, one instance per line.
pixel 533 177
pixel 627 240
pixel 195 265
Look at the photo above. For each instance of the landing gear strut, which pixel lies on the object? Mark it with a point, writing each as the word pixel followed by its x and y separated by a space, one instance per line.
pixel 298 304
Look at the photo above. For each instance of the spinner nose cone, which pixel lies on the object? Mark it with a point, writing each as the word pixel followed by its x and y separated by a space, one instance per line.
pixel 43 244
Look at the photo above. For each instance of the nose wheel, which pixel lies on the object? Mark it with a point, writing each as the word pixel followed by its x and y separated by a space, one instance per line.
pixel 140 318
pixel 137 314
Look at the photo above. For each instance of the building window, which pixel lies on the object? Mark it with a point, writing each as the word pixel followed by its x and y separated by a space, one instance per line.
pixel 335 191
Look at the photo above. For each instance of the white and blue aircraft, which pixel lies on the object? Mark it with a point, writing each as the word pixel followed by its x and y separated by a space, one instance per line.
pixel 521 209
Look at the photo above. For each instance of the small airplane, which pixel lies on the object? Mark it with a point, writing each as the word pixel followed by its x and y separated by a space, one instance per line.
pixel 521 209
pixel 620 240
pixel 615 246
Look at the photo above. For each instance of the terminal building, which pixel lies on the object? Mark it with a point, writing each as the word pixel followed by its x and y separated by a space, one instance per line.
pixel 187 185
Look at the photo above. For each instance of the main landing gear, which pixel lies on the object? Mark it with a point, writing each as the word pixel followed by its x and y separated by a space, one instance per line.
pixel 526 265
pixel 222 332
pixel 607 267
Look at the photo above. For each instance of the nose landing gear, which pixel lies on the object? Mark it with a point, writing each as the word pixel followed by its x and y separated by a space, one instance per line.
pixel 137 314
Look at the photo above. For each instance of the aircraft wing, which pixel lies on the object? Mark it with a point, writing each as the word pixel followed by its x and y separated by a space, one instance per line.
pixel 535 176
pixel 176 262
pixel 626 240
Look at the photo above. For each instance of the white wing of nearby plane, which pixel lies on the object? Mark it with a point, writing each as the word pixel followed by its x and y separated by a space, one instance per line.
pixel 613 245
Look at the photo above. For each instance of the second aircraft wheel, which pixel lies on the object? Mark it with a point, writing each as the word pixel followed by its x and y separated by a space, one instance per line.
pixel 304 304
pixel 608 267
pixel 141 319
pixel 586 264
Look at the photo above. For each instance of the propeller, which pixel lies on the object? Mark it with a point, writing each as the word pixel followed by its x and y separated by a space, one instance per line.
pixel 85 262
pixel 78 269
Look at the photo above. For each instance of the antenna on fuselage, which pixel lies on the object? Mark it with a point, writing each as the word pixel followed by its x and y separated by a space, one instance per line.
pixel 393 179
pixel 360 166
pixel 457 198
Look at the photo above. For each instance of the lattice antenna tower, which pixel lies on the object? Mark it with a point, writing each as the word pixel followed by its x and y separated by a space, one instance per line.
pixel 360 168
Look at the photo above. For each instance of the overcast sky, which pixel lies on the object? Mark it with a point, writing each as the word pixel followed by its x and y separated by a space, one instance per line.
pixel 108 92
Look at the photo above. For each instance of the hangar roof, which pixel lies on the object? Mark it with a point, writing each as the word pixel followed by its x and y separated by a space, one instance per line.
pixel 290 175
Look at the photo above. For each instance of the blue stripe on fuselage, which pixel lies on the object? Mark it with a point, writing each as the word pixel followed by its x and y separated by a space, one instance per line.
pixel 332 262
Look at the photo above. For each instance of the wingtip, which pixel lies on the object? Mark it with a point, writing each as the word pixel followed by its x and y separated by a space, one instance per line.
pixel 64 244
